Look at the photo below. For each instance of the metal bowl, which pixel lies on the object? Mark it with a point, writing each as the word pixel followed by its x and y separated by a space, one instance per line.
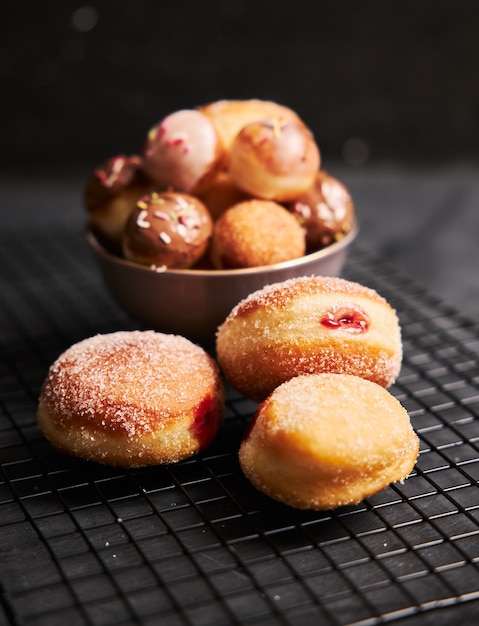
pixel 193 303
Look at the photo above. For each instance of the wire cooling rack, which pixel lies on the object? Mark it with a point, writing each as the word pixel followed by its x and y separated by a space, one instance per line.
pixel 195 544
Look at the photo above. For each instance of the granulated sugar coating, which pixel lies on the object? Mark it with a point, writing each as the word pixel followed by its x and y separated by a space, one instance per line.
pixel 281 294
pixel 308 325
pixel 255 233
pixel 132 398
pixel 327 440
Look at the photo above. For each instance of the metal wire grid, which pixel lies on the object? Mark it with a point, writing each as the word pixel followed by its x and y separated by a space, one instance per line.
pixel 195 543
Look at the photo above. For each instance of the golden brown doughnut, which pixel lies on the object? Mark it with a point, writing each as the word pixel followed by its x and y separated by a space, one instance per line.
pixel 167 229
pixel 221 194
pixel 308 325
pixel 255 233
pixel 183 151
pixel 111 193
pixel 231 116
pixel 132 398
pixel 327 440
pixel 274 159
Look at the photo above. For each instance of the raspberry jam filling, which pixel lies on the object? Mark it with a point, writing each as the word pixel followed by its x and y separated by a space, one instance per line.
pixel 205 423
pixel 349 319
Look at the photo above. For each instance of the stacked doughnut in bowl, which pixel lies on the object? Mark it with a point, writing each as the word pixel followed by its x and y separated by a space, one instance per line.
pixel 223 199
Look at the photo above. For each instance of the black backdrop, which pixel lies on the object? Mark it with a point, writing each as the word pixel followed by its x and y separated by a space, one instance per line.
pixel 397 79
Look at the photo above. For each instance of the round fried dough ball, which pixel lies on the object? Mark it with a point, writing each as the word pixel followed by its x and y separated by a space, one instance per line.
pixel 255 233
pixel 167 229
pixel 325 211
pixel 231 116
pixel 183 151
pixel 274 159
pixel 322 441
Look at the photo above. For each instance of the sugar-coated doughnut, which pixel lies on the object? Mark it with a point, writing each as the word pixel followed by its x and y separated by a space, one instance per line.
pixel 167 229
pixel 231 116
pixel 308 325
pixel 255 233
pixel 326 211
pixel 183 151
pixel 132 398
pixel 327 440
pixel 111 193
pixel 274 159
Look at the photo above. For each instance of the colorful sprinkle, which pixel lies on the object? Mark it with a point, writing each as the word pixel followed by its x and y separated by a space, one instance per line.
pixel 158 268
pixel 161 215
pixel 277 125
pixel 184 204
pixel 141 220
pixel 165 238
pixel 155 199
pixel 153 132
pixel 182 230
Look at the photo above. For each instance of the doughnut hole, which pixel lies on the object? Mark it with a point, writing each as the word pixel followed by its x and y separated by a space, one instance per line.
pixel 231 116
pixel 168 229
pixel 326 211
pixel 221 194
pixel 274 159
pixel 183 151
pixel 111 193
pixel 256 233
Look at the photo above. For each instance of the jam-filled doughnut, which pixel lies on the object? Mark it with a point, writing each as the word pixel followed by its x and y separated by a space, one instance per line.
pixel 231 116
pixel 326 440
pixel 167 229
pixel 325 211
pixel 183 151
pixel 274 159
pixel 132 398
pixel 111 193
pixel 308 325
pixel 255 233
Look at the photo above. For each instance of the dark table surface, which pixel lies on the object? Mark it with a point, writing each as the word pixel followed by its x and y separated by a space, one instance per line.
pixel 194 544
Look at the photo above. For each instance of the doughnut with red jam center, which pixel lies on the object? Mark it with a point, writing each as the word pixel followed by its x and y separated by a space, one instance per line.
pixel 351 320
pixel 308 325
pixel 132 398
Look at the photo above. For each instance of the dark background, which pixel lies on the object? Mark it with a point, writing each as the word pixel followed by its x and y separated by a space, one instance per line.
pixel 390 89
pixel 375 80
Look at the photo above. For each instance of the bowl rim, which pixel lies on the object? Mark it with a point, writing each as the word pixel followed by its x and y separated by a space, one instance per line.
pixel 303 260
